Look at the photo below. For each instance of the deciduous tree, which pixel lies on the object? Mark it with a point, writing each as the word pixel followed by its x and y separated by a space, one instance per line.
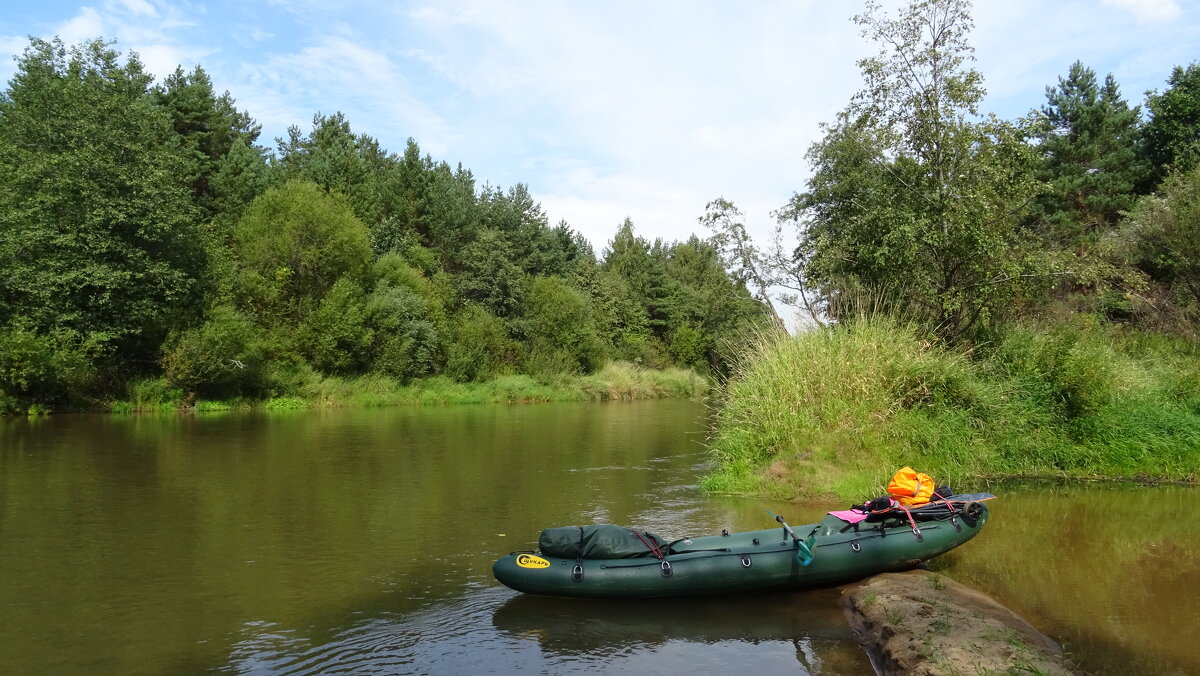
pixel 98 233
pixel 915 196
pixel 1172 135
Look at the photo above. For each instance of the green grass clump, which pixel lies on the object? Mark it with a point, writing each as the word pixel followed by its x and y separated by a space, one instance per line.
pixel 303 388
pixel 150 395
pixel 615 381
pixel 286 404
pixel 832 413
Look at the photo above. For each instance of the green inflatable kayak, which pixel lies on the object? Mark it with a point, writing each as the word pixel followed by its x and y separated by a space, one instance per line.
pixel 605 561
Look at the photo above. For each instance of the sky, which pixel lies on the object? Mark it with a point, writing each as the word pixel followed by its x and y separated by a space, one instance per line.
pixel 605 110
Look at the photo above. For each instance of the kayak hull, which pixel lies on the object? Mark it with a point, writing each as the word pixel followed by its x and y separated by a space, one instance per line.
pixel 742 562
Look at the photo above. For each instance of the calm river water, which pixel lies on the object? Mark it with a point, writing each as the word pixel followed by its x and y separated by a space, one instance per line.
pixel 361 541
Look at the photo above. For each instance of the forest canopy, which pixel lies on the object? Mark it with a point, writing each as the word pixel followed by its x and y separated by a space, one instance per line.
pixel 148 235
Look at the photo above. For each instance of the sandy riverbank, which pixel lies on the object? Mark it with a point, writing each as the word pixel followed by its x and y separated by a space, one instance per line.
pixel 923 623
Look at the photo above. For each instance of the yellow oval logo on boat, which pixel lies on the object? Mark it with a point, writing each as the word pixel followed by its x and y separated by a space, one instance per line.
pixel 531 561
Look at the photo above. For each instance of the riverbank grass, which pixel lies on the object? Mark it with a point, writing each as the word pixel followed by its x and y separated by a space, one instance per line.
pixel 833 413
pixel 615 381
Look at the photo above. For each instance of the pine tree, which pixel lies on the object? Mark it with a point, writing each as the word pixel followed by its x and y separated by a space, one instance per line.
pixel 1089 158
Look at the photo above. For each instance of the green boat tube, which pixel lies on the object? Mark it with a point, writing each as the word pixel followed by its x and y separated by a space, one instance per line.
pixel 599 563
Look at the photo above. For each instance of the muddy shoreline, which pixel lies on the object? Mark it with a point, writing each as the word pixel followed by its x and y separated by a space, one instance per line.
pixel 921 622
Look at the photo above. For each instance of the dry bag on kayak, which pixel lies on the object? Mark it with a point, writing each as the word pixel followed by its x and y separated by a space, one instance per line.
pixel 601 541
pixel 910 487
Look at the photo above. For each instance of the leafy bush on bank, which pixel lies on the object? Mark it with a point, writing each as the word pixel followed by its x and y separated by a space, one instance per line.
pixel 834 412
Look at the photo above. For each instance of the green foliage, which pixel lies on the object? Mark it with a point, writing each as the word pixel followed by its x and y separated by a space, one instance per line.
pixel 287 404
pixel 207 127
pixel 220 357
pixel 1090 158
pixel 480 347
pixel 1164 232
pixel 560 330
pixel 1172 135
pixel 335 337
pixel 834 412
pixel 154 394
pixel 490 275
pixel 914 197
pixel 151 249
pixel 295 242
pixel 407 339
pixel 241 175
pixel 640 266
pixel 50 368
pixel 99 234
pixel 707 308
pixel 739 254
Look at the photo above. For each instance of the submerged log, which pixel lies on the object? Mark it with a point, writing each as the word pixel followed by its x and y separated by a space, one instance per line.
pixel 920 622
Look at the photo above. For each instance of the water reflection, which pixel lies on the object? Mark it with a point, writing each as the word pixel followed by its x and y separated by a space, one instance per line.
pixel 1108 570
pixel 807 627
pixel 356 540
pixel 493 631
pixel 362 541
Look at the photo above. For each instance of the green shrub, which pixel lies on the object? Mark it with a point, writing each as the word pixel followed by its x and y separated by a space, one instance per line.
pixel 221 357
pixel 407 343
pixel 46 369
pixel 335 338
pixel 286 404
pixel 560 329
pixel 480 348
pixel 154 394
pixel 300 241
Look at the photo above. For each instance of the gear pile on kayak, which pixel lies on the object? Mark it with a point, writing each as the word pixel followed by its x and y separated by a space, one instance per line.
pixel 608 561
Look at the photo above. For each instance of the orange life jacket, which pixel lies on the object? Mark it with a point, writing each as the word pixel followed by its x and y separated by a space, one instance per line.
pixel 910 487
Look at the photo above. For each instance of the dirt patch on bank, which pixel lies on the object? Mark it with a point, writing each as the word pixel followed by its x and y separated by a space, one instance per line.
pixel 920 622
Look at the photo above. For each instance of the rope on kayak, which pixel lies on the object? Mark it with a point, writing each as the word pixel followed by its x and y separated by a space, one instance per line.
pixel 916 531
pixel 651 545
pixel 953 512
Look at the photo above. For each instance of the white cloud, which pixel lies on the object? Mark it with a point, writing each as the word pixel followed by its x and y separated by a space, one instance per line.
pixel 159 39
pixel 335 74
pixel 664 106
pixel 1149 11
pixel 138 8
pixel 86 25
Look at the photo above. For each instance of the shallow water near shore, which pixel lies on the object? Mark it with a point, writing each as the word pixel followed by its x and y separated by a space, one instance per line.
pixel 361 540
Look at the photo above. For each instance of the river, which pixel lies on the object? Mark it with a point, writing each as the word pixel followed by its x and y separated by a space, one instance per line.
pixel 361 541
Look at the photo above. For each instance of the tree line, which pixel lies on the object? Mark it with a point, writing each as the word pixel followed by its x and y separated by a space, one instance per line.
pixel 922 205
pixel 146 233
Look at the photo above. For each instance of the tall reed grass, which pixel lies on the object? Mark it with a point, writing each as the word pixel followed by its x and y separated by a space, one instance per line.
pixel 833 412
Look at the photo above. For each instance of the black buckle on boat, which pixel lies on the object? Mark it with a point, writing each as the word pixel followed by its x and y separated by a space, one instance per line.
pixel 577 573
pixel 666 569
pixel 855 547
pixel 746 562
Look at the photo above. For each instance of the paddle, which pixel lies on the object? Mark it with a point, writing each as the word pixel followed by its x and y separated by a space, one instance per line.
pixel 804 553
